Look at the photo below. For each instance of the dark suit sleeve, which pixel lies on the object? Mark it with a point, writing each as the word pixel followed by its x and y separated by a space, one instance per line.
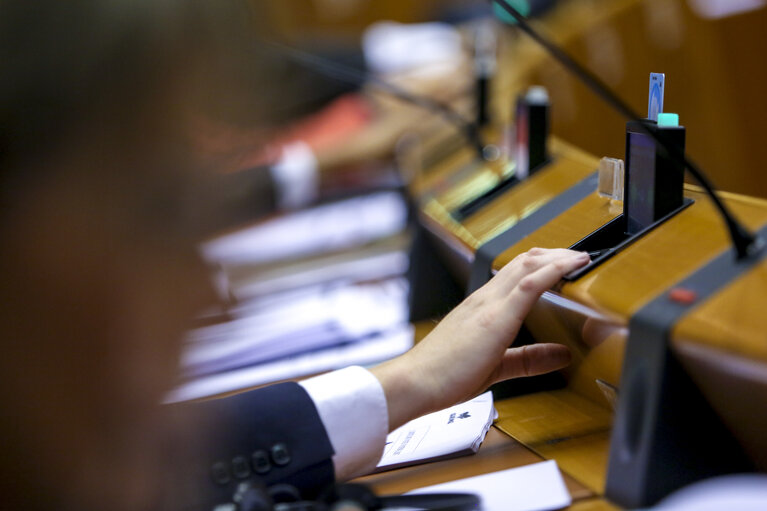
pixel 270 435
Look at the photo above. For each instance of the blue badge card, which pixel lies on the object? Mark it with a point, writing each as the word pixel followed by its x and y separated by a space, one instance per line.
pixel 655 101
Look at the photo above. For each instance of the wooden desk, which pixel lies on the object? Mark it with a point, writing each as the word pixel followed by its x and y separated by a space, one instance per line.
pixel 498 452
pixel 720 344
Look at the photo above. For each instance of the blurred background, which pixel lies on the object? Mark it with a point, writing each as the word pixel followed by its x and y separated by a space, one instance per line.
pixel 710 51
pixel 326 286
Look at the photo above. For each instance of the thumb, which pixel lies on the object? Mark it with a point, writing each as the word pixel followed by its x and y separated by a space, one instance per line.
pixel 532 360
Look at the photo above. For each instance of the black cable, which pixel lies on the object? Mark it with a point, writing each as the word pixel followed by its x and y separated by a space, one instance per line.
pixel 355 76
pixel 746 243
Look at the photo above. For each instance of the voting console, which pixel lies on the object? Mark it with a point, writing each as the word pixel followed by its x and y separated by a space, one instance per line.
pixel 669 376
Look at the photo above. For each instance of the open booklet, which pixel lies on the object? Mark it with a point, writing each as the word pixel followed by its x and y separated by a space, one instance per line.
pixel 454 431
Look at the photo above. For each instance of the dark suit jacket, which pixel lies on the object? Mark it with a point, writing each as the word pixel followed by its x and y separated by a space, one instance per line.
pixel 267 436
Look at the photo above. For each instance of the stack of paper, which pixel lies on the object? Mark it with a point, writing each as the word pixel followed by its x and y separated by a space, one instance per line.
pixel 323 229
pixel 307 320
pixel 315 290
pixel 365 351
pixel 455 431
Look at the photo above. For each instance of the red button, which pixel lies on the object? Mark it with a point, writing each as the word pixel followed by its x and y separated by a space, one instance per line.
pixel 682 295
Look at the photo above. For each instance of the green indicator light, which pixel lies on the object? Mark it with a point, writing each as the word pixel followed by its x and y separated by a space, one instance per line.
pixel 666 120
pixel 521 5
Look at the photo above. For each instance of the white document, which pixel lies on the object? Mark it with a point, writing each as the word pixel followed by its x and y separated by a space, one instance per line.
pixel 451 432
pixel 326 228
pixel 358 267
pixel 536 487
pixel 312 319
pixel 366 351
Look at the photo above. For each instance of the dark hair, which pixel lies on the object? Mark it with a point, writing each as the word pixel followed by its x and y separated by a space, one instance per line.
pixel 100 79
pixel 65 65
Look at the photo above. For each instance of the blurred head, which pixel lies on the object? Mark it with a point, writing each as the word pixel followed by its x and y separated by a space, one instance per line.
pixel 98 264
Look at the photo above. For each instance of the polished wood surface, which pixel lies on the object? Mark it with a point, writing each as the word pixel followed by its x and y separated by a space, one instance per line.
pixel 733 321
pixel 529 195
pixel 563 426
pixel 722 342
pixel 591 315
pixel 653 263
pixel 459 179
pixel 595 504
pixel 498 452
pixel 559 425
pixel 664 256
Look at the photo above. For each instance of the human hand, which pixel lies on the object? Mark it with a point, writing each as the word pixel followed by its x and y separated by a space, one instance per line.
pixel 469 350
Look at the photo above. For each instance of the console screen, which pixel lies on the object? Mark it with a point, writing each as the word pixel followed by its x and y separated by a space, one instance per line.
pixel 640 199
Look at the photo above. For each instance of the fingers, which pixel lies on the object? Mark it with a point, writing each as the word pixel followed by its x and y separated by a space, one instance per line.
pixel 533 360
pixel 530 262
pixel 478 332
pixel 531 286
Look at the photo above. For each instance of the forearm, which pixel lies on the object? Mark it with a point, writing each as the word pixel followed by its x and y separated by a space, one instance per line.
pixel 407 395
pixel 465 353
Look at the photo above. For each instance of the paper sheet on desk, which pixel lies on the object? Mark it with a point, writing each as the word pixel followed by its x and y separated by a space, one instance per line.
pixel 368 351
pixel 357 266
pixel 299 322
pixel 536 487
pixel 322 229
pixel 447 433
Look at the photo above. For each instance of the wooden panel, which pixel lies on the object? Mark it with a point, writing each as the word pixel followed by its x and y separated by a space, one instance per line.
pixel 572 425
pixel 661 258
pixel 652 264
pixel 564 426
pixel 583 218
pixel 443 176
pixel 439 160
pixel 525 198
pixel 590 315
pixel 734 320
pixel 439 221
pixel 458 179
pixel 597 344
pixel 593 505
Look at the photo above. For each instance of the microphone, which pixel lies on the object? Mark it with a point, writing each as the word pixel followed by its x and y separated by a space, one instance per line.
pixel 485 46
pixel 746 243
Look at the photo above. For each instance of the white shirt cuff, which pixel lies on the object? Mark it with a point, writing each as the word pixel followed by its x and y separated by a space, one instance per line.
pixel 296 176
pixel 352 406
